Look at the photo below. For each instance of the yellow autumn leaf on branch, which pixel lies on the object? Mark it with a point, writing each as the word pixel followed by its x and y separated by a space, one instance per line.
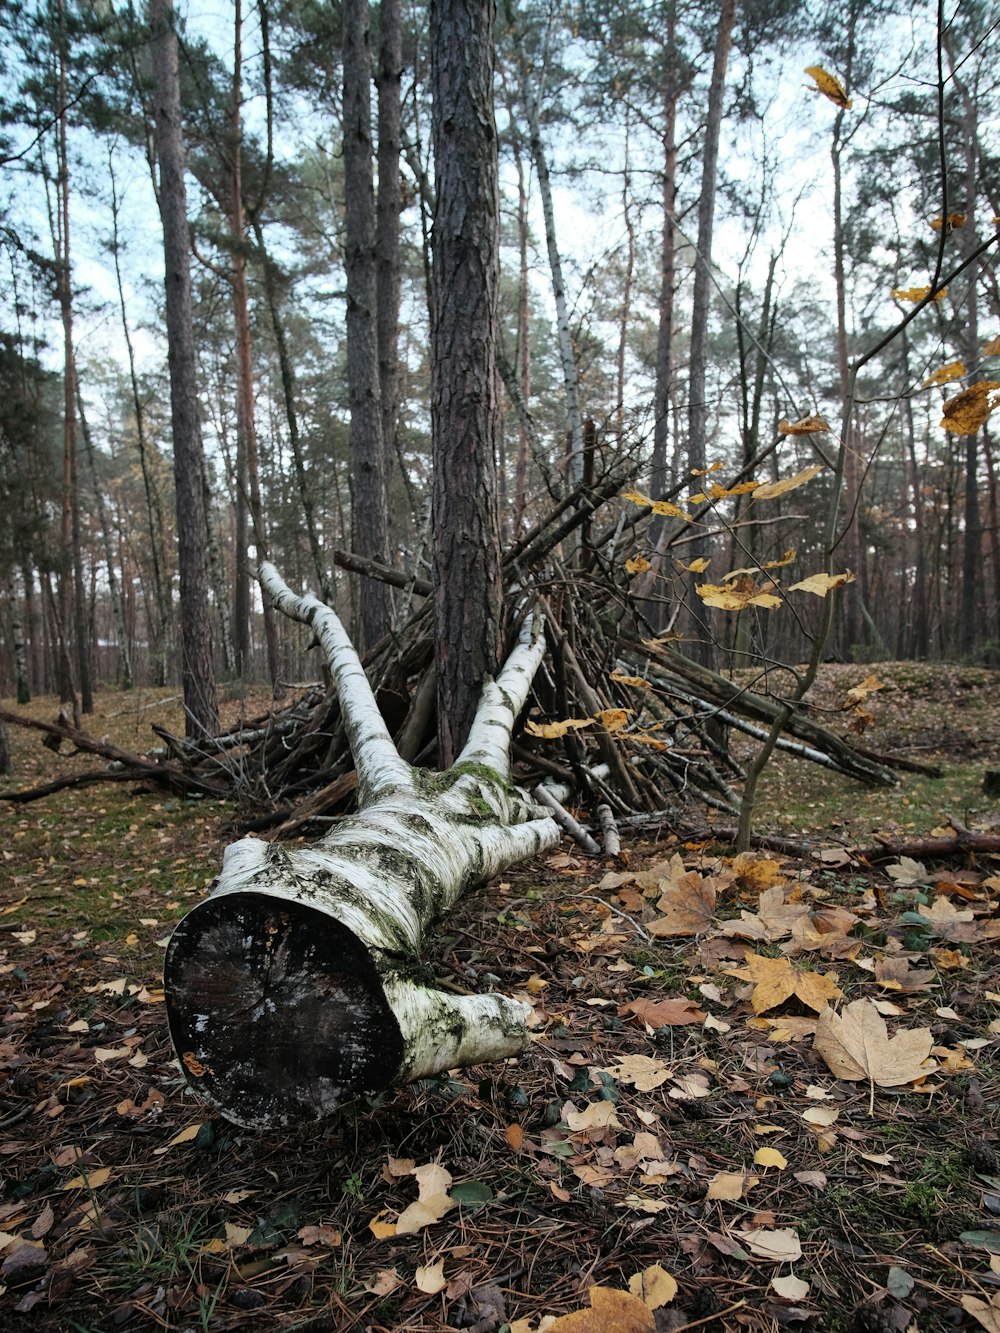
pixel 951 223
pixel 662 507
pixel 966 412
pixel 695 567
pixel 830 86
pixel 821 584
pixel 637 565
pixel 861 691
pixel 992 348
pixel 551 731
pixel 812 425
pixel 737 597
pixel 613 718
pixel 703 471
pixel 953 371
pixel 786 559
pixel 622 679
pixel 723 492
pixel 775 488
pixel 918 293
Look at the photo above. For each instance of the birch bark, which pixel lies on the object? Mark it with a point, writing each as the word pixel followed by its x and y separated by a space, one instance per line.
pixel 297 984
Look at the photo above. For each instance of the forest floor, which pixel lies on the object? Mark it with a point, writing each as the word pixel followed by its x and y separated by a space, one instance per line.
pixel 692 1128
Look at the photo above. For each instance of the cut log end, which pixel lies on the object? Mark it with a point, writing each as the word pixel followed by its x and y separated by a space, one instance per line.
pixel 276 1011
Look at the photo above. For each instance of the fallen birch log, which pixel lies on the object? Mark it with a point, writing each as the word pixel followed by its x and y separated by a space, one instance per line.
pixel 298 984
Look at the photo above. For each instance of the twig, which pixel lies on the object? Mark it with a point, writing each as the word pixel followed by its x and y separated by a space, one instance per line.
pixel 566 821
pixel 612 841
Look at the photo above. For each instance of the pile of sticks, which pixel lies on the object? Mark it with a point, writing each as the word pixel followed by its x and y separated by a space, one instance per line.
pixel 622 720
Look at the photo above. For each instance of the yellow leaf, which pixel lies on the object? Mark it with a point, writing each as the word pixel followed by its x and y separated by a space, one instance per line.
pixel 663 507
pixel 916 294
pixel 790 1288
pixel 696 566
pixel 514 1134
pixel 770 1157
pixel 703 471
pixel 654 1286
pixel 729 1186
pixel 861 691
pixel 718 492
pixel 821 584
pixel 595 1115
pixel 777 980
pixel 185 1136
pixel 985 1313
pixel 641 1071
pixel 856 1045
pixel 430 1278
pixel 966 412
pixel 379 1229
pixel 829 86
pixel 951 223
pixel 953 371
pixel 992 348
pixel 775 488
pixel 551 731
pixel 637 681
pixel 735 599
pixel 611 1312
pixel 638 564
pixel 89 1180
pixel 812 425
pixel 786 559
pixel 613 718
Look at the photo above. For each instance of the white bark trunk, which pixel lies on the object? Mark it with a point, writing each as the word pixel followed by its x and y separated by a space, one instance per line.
pixel 297 984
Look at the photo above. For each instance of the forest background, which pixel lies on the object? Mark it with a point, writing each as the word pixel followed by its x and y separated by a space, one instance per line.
pixel 837 215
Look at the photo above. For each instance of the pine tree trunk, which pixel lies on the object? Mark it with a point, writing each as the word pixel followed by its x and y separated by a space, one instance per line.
pixel 367 449
pixel 294 987
pixel 197 666
pixel 387 222
pixel 465 407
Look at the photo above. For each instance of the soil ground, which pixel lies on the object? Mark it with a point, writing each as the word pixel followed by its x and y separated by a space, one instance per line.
pixel 125 1205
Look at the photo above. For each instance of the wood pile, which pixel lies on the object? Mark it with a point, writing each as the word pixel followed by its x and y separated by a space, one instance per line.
pixel 625 721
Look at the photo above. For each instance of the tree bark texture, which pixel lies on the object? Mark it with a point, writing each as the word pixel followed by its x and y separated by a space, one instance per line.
pixel 296 985
pixel 367 448
pixel 248 464
pixel 465 400
pixel 197 667
pixel 701 297
pixel 387 224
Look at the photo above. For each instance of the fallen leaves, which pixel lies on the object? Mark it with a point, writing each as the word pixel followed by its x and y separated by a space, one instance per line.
pixel 856 1045
pixel 777 980
pixel 781 1245
pixel 610 1312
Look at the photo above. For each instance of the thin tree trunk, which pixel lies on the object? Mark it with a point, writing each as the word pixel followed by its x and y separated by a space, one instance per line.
pixel 197 666
pixel 701 298
pixel 567 356
pixel 22 689
pixel 920 639
pixel 387 222
pixel 114 587
pixel 626 306
pixel 249 473
pixel 367 448
pixel 72 606
pixel 287 372
pixel 970 626
pixel 465 415
pixel 162 626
